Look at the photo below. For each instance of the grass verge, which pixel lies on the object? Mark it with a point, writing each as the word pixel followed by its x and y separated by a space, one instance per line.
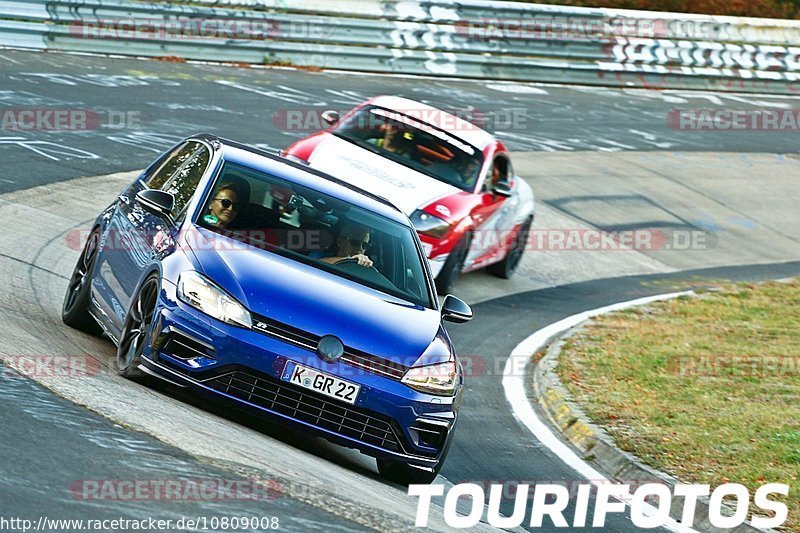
pixel 706 389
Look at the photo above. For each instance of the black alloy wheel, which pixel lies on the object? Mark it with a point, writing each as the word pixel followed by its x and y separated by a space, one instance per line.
pixel 508 266
pixel 75 310
pixel 137 326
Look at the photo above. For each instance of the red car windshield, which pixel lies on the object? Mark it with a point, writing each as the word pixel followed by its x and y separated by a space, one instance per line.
pixel 414 144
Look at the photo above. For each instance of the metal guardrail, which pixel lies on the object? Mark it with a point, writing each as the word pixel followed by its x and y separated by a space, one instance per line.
pixel 470 38
pixel 29 35
pixel 673 25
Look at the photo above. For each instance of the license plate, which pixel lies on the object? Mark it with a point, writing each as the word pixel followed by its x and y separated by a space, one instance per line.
pixel 323 383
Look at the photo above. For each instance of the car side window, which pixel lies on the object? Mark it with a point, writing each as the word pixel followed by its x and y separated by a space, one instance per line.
pixel 499 172
pixel 183 183
pixel 180 173
pixel 488 182
pixel 509 174
pixel 170 164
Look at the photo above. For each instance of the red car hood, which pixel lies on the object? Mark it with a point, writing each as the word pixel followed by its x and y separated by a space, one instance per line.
pixel 405 188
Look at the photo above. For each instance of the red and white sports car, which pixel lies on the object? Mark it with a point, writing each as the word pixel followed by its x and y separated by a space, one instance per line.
pixel 453 179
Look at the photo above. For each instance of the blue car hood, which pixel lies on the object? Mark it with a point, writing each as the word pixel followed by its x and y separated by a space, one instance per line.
pixel 322 303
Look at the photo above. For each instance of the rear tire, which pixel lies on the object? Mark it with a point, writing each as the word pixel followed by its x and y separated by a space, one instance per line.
pixel 75 310
pixel 508 266
pixel 452 267
pixel 404 474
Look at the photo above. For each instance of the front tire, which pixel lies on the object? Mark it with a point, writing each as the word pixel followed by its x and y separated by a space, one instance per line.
pixel 508 266
pixel 452 267
pixel 136 329
pixel 404 474
pixel 75 310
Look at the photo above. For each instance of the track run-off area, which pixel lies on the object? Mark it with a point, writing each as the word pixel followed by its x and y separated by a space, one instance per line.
pixel 723 203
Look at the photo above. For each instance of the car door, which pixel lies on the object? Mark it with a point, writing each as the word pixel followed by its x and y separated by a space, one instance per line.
pixel 135 236
pixel 490 215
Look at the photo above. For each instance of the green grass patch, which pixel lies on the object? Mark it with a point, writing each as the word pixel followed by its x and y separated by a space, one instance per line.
pixel 706 389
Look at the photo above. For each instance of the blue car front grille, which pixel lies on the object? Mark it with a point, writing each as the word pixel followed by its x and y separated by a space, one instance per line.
pixel 352 357
pixel 279 397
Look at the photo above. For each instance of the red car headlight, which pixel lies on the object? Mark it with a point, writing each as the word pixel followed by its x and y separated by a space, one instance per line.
pixel 430 225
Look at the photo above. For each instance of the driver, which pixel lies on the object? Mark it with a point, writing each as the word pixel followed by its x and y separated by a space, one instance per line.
pixel 228 202
pixel 468 167
pixel 352 243
pixel 459 170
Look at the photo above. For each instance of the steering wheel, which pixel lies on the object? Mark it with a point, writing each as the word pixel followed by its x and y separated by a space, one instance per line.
pixel 352 261
pixel 371 274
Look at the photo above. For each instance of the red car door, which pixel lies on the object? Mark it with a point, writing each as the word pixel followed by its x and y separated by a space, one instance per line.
pixel 487 236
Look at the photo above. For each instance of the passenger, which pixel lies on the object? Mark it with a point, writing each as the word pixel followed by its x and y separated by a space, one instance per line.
pixel 461 171
pixel 396 140
pixel 229 201
pixel 352 243
pixel 468 167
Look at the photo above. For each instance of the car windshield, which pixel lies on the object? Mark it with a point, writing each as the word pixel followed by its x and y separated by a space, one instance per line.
pixel 417 145
pixel 308 226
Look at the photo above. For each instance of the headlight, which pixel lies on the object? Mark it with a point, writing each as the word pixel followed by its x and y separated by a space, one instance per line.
pixel 203 294
pixel 438 379
pixel 430 225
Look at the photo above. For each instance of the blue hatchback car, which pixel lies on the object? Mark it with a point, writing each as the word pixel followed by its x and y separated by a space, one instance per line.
pixel 253 278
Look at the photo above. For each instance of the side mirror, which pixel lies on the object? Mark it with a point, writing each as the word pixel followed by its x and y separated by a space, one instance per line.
pixel 157 202
pixel 455 310
pixel 503 189
pixel 330 117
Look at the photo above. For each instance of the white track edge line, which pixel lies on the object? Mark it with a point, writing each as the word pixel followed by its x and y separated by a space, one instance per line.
pixel 514 387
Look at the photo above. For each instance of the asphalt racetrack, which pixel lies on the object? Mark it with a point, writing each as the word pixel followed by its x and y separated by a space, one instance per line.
pixel 596 158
